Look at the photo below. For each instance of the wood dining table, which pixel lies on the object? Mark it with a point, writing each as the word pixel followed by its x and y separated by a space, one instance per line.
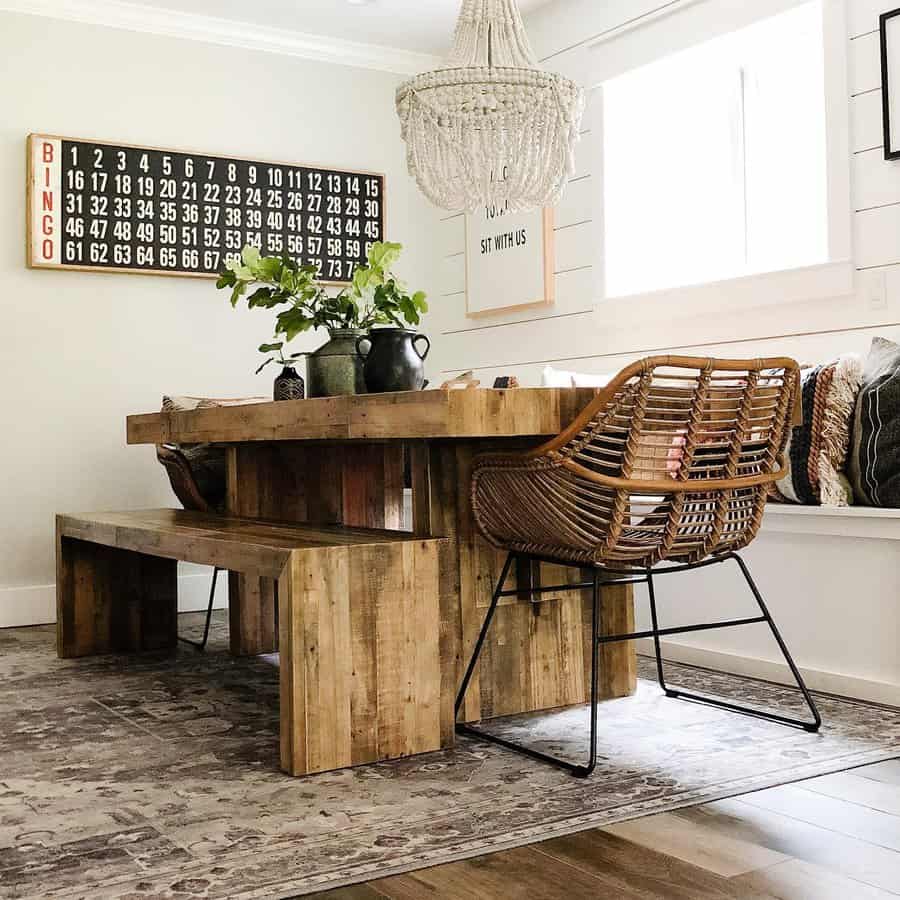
pixel 346 460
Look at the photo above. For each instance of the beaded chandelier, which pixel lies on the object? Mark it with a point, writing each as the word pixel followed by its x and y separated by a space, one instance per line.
pixel 489 127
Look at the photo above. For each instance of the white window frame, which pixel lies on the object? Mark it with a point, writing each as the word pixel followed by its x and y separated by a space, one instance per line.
pixel 670 317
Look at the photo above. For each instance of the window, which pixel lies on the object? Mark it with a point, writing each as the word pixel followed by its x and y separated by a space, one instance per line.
pixel 715 159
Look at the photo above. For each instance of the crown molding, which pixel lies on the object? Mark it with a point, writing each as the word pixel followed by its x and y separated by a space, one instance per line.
pixel 230 33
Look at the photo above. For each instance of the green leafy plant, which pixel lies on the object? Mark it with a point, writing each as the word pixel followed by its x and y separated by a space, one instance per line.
pixel 384 297
pixel 277 280
pixel 278 349
pixel 375 295
pixel 324 312
pixel 395 305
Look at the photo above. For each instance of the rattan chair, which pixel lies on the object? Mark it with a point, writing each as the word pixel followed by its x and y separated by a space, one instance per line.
pixel 669 465
pixel 185 487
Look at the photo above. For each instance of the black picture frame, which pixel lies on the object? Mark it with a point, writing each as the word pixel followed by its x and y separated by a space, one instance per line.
pixel 889 147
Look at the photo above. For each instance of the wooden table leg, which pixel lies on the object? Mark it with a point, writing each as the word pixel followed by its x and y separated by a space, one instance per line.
pixel 618 662
pixel 538 656
pixel 434 482
pixel 350 484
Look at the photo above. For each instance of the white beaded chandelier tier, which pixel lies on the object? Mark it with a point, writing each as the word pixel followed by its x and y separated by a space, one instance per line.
pixel 490 127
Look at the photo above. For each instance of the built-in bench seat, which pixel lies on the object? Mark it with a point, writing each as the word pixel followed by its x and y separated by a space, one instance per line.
pixel 359 618
pixel 832 576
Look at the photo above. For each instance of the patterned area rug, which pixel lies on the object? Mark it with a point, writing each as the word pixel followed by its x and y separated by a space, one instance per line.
pixel 158 777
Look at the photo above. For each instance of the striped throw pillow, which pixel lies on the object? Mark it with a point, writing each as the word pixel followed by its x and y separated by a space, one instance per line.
pixel 875 446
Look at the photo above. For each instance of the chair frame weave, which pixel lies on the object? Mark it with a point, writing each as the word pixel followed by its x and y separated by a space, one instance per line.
pixel 671 461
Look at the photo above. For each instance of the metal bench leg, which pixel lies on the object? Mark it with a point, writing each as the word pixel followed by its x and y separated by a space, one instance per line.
pixel 811 726
pixel 580 771
pixel 201 645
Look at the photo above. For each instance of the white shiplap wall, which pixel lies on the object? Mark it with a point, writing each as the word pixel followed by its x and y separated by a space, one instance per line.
pixel 807 578
pixel 576 334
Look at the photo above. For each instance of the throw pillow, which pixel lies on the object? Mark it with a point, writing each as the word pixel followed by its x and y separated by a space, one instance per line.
pixel 176 403
pixel 875 446
pixel 207 462
pixel 817 449
pixel 208 469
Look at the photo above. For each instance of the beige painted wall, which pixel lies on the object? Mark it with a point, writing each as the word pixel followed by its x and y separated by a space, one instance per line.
pixel 81 350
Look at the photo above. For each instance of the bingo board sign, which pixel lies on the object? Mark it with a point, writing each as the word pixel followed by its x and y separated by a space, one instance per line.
pixel 108 207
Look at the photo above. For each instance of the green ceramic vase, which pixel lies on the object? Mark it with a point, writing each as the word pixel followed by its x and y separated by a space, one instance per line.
pixel 335 368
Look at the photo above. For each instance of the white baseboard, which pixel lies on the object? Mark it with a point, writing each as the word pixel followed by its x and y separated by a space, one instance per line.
pixel 817 680
pixel 36 604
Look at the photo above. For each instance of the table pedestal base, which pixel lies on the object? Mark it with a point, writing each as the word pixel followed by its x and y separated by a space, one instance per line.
pixel 538 656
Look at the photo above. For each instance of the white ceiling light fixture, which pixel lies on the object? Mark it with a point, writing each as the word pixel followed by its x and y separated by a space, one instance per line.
pixel 490 127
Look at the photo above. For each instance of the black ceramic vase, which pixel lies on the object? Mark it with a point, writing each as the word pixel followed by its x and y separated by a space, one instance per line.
pixel 392 361
pixel 289 385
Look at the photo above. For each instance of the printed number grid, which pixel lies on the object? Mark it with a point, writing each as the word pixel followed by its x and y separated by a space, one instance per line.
pixel 159 210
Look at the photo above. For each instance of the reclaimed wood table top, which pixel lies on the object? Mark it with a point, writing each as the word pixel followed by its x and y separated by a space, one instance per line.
pixel 468 413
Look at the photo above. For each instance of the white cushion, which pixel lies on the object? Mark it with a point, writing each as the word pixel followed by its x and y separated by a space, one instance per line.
pixel 561 378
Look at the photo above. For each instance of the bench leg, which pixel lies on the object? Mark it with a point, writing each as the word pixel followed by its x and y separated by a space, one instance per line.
pixel 110 600
pixel 359 633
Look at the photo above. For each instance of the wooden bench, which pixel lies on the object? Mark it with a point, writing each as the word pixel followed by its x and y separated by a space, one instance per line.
pixel 359 619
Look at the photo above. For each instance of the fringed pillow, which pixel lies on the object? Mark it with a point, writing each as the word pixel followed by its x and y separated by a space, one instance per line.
pixel 817 448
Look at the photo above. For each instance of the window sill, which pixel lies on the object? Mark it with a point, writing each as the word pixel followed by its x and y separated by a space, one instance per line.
pixel 850 521
pixel 832 279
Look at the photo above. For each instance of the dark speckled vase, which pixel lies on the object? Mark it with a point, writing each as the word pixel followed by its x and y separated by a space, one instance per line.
pixel 335 368
pixel 289 385
pixel 392 360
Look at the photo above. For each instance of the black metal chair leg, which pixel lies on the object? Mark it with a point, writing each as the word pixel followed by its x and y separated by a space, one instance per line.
pixel 660 674
pixel 580 771
pixel 817 719
pixel 811 726
pixel 584 771
pixel 201 645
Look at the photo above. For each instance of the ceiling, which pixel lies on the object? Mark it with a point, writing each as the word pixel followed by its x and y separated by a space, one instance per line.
pixel 425 26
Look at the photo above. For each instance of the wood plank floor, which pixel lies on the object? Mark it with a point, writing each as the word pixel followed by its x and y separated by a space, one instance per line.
pixel 836 837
